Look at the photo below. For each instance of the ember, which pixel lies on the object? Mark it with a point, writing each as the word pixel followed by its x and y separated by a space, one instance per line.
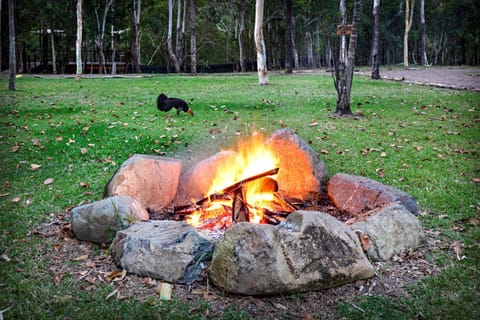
pixel 244 190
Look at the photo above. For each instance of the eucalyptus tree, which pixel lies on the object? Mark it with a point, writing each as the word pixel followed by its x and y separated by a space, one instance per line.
pixel 343 76
pixel 375 35
pixel 12 53
pixel 260 44
pixel 78 42
pixel 409 8
pixel 103 5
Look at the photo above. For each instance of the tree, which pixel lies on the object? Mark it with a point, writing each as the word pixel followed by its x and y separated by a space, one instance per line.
pixel 12 54
pixel 375 35
pixel 1 60
pixel 409 5
pixel 99 40
pixel 423 30
pixel 169 37
pixel 260 45
pixel 241 39
pixel 193 39
pixel 344 68
pixel 78 42
pixel 288 36
pixel 134 36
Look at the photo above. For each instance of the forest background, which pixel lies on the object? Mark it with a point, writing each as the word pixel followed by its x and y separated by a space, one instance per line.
pixel 46 33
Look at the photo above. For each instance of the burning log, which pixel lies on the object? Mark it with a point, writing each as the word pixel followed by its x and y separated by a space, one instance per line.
pixel 239 207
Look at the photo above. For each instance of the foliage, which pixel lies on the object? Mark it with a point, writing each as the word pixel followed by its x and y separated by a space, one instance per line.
pixel 418 139
pixel 451 28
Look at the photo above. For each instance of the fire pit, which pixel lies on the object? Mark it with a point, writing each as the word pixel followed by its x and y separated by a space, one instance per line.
pixel 242 214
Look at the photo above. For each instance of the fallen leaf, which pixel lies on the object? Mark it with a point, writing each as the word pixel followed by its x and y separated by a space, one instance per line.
pixel 5 257
pixel 476 180
pixel 324 151
pixel 84 150
pixel 57 278
pixel 111 294
pixel 458 248
pixel 84 184
pixel 313 123
pixel 48 181
pixel 116 275
pixel 80 258
pixel 279 306
pixel 58 138
pixel 91 280
pixel 364 241
pixel 35 167
pixel 383 154
pixel 36 142
pixel 380 172
pixel 15 148
pixel 16 200
pixel 474 221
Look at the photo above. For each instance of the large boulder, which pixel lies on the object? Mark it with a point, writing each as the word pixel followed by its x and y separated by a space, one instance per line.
pixel 392 230
pixel 99 221
pixel 301 171
pixel 355 194
pixel 196 180
pixel 152 180
pixel 169 250
pixel 307 251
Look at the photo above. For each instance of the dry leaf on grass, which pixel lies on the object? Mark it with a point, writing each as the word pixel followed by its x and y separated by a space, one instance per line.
pixel 48 181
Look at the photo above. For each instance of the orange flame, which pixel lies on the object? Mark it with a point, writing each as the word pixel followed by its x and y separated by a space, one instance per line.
pixel 253 157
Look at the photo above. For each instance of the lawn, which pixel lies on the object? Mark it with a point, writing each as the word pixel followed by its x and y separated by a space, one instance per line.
pixel 61 141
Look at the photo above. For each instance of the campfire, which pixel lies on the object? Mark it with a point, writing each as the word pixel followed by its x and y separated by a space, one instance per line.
pixel 243 190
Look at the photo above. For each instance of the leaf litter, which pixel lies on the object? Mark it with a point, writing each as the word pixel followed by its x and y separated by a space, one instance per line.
pixel 94 267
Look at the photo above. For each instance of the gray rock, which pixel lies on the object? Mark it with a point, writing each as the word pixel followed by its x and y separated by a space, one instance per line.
pixel 196 180
pixel 301 171
pixel 392 230
pixel 99 221
pixel 152 180
pixel 307 251
pixel 168 250
pixel 356 194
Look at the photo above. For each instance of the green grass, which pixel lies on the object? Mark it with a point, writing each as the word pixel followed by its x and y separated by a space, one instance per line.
pixel 422 140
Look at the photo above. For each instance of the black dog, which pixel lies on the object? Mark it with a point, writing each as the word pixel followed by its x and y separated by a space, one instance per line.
pixel 165 104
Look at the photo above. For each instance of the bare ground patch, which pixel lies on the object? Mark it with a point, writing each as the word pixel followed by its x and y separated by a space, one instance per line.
pixel 94 266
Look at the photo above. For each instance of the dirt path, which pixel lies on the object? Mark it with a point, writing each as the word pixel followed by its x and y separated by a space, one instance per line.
pixel 459 78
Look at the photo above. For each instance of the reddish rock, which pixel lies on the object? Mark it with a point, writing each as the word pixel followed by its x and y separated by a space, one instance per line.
pixel 152 180
pixel 301 170
pixel 356 194
pixel 195 181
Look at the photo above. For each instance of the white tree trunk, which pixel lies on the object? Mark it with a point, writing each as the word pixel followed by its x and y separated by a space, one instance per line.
pixel 78 42
pixel 423 28
pixel 169 37
pixel 54 54
pixel 193 38
pixel 12 53
pixel 375 35
pixel 409 5
pixel 260 45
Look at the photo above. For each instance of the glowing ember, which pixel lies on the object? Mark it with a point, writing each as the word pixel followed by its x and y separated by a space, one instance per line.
pixel 253 158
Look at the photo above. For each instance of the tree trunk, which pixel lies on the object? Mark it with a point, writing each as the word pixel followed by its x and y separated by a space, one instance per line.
pixel 423 28
pixel 288 36
pixel 169 37
pixel 310 61
pixel 241 40
pixel 409 5
pixel 260 45
pixel 344 70
pixel 193 38
pixel 78 42
pixel 375 36
pixel 134 37
pixel 179 38
pixel 54 54
pixel 1 56
pixel 99 41
pixel 12 52
pixel 296 61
